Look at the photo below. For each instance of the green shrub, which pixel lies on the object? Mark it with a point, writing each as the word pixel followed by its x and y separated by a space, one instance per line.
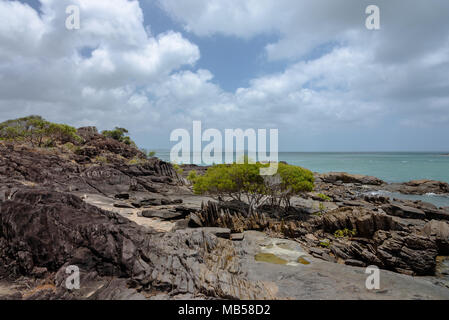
pixel 323 197
pixel 177 168
pixel 192 176
pixel 119 134
pixel 101 159
pixel 136 160
pixel 289 181
pixel 345 233
pixel 149 154
pixel 38 132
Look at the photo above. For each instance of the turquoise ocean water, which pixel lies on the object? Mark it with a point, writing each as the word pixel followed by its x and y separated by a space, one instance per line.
pixel 390 167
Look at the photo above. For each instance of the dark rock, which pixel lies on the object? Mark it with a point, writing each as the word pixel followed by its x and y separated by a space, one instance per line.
pixel 400 250
pixel 122 196
pixel 364 221
pixel 355 263
pixel 195 221
pixel 402 211
pixel 440 230
pixel 420 187
pixel 163 214
pixel 343 177
pixel 47 229
pixel 218 232
pixel 213 214
pixel 87 133
pixel 123 205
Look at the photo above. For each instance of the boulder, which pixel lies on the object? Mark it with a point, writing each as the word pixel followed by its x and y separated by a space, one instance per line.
pixel 343 177
pixel 440 230
pixel 364 221
pixel 406 251
pixel 218 232
pixel 163 214
pixel 420 187
pixel 399 210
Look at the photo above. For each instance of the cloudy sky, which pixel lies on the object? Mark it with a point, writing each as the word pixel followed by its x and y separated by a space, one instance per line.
pixel 308 68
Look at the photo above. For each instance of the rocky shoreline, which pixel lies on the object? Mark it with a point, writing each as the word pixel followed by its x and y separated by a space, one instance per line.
pixel 136 231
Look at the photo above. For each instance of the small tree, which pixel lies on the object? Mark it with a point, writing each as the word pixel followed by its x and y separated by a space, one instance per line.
pixel 237 181
pixel 37 131
pixel 294 180
pixel 243 182
pixel 119 134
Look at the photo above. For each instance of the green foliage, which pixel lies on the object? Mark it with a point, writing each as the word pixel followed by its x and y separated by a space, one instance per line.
pixel 149 154
pixel 177 168
pixel 192 176
pixel 244 182
pixel 345 233
pixel 324 197
pixel 321 209
pixel 37 131
pixel 136 160
pixel 325 243
pixel 101 159
pixel 289 181
pixel 119 134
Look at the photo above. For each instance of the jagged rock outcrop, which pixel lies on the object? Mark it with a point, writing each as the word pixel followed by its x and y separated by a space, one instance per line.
pixel 401 251
pixel 344 177
pixel 439 230
pixel 420 187
pixel 365 222
pixel 219 215
pixel 62 170
pixel 51 230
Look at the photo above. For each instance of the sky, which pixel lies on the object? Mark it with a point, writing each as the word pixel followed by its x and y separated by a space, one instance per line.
pixel 310 69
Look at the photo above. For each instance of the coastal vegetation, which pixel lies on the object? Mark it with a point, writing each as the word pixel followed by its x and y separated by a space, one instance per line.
pixel 38 132
pixel 119 134
pixel 243 182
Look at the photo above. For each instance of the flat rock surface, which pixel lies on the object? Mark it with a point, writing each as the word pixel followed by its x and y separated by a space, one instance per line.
pixel 324 280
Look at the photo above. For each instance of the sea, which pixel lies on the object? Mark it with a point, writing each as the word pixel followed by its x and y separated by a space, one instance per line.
pixel 388 166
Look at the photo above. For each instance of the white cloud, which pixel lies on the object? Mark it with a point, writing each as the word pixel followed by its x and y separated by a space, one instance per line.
pixel 113 72
pixel 45 72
